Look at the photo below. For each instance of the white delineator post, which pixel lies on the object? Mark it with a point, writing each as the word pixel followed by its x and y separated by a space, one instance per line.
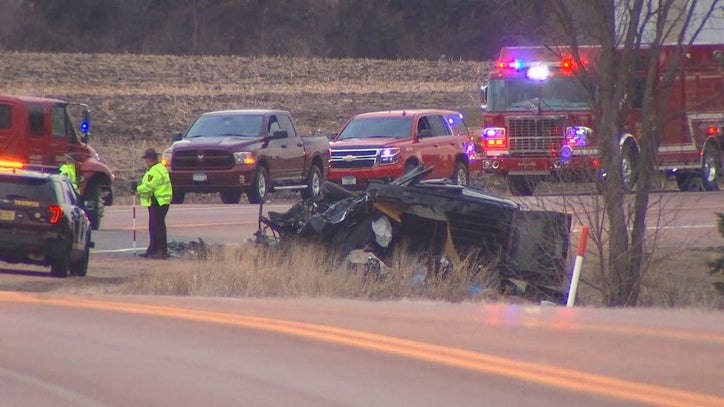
pixel 577 266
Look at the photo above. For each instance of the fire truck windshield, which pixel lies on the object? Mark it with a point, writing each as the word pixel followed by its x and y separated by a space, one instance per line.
pixel 521 94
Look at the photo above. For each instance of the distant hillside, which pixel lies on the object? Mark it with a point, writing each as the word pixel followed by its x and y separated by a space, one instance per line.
pixel 150 96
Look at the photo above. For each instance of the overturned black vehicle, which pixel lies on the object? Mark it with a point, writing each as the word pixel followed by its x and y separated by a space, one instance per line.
pixel 453 223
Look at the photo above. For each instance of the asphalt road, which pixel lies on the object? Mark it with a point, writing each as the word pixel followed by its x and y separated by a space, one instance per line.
pixel 153 351
pixel 97 350
pixel 680 220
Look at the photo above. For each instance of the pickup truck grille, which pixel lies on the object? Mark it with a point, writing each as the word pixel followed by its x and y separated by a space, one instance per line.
pixel 353 158
pixel 202 160
pixel 535 136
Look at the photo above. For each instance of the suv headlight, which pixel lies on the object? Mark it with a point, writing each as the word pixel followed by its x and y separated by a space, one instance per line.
pixel 244 157
pixel 389 155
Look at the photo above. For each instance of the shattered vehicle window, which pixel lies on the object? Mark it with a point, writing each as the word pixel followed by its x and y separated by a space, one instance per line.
pixel 227 125
pixel 377 127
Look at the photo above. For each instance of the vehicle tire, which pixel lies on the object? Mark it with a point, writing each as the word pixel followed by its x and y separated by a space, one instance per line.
pixel 689 182
pixel 80 268
pixel 94 204
pixel 259 187
pixel 230 197
pixel 60 267
pixel 521 185
pixel 629 167
pixel 460 174
pixel 409 167
pixel 711 166
pixel 314 183
pixel 178 198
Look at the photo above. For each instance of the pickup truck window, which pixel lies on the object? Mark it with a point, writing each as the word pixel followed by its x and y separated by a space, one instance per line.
pixel 286 124
pixel 378 127
pixel 227 125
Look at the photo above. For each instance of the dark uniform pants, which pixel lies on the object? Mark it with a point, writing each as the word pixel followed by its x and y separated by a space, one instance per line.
pixel 157 229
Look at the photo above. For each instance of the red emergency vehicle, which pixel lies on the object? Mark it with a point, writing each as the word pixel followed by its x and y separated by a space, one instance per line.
pixel 39 133
pixel 538 123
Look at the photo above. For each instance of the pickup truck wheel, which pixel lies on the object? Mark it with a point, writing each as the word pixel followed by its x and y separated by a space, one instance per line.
pixel 460 174
pixel 230 197
pixel 259 188
pixel 178 198
pixel 520 185
pixel 314 183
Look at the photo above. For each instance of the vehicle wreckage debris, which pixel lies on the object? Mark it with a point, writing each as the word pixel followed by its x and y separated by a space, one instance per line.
pixel 450 222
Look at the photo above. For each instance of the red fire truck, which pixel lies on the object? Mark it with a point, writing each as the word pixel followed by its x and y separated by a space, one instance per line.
pixel 538 123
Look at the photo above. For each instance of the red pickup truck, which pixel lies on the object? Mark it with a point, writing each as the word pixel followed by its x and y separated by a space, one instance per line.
pixel 252 151
pixel 385 145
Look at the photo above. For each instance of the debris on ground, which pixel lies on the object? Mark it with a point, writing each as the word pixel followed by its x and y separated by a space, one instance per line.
pixel 449 223
pixel 198 250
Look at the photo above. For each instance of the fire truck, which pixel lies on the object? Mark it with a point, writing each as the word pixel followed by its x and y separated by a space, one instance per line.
pixel 39 134
pixel 538 123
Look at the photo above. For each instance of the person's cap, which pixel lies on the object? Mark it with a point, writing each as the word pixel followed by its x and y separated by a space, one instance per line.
pixel 150 153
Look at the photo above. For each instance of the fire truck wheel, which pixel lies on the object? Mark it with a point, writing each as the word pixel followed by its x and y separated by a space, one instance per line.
pixel 521 185
pixel 460 174
pixel 629 166
pixel 257 192
pixel 711 166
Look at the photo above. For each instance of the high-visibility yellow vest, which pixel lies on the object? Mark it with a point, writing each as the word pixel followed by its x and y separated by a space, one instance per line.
pixel 69 171
pixel 156 182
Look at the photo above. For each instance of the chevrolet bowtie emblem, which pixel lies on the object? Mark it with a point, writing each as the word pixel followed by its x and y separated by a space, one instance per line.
pixel 348 158
pixel 200 157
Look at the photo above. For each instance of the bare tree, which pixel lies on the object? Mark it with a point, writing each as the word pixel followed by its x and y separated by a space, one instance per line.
pixel 626 31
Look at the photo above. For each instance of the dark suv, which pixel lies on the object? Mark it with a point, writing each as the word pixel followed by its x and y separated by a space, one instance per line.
pixel 42 222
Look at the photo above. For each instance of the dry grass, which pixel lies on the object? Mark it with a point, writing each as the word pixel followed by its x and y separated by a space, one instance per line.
pixel 298 270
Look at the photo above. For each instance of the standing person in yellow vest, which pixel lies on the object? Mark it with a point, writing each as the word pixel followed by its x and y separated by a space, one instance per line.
pixel 70 169
pixel 155 193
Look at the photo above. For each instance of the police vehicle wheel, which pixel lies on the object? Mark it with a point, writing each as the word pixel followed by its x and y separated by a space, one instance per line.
pixel 80 268
pixel 60 267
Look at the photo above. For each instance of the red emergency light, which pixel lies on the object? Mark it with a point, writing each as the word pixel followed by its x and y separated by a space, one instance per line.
pixel 569 64
pixel 712 130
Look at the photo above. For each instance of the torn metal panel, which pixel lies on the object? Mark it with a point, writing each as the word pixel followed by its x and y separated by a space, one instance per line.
pixel 446 220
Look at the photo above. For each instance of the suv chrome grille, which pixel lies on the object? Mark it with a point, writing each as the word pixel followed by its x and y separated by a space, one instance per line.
pixel 535 136
pixel 353 158
pixel 202 160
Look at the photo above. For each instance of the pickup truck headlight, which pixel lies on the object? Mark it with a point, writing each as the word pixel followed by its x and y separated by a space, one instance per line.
pixel 166 158
pixel 389 156
pixel 244 157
